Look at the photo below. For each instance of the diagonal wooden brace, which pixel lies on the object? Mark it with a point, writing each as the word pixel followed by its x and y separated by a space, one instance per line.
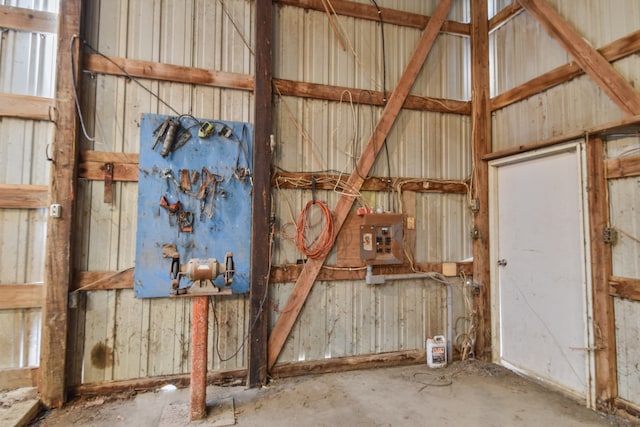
pixel 365 163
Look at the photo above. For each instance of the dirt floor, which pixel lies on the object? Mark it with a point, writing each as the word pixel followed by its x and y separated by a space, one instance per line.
pixel 469 394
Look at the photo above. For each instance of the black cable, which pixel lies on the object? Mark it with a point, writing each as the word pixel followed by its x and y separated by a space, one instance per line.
pixel 384 100
pixel 134 79
pixel 255 321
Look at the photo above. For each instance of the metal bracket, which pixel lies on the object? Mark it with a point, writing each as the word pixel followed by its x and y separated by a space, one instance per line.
pixel 610 235
pixel 108 183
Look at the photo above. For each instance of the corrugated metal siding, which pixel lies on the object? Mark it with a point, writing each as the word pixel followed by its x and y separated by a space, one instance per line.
pixel 522 50
pixel 624 196
pixel 116 335
pixel 26 68
pixel 627 315
pixel 348 317
pixel 352 318
pixel 573 106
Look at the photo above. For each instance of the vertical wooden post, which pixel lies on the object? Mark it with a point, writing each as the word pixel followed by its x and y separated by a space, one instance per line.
pixel 58 266
pixel 260 227
pixel 601 270
pixel 481 145
pixel 199 332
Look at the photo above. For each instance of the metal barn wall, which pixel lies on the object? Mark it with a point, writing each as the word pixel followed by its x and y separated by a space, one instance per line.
pixel 346 318
pixel 115 336
pixel 522 50
pixel 26 68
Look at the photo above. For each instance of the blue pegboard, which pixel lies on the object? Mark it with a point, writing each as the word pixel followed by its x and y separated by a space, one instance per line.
pixel 218 228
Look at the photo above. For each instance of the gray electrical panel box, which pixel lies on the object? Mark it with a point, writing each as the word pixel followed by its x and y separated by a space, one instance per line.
pixel 381 239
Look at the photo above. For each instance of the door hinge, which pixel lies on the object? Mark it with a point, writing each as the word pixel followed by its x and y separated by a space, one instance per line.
pixel 610 235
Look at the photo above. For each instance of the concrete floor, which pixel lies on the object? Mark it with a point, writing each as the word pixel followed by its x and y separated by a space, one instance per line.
pixel 463 394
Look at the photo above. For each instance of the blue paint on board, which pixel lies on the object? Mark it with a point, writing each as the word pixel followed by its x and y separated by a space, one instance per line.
pixel 225 228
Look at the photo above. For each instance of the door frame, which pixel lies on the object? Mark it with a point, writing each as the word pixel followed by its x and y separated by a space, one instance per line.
pixel 579 147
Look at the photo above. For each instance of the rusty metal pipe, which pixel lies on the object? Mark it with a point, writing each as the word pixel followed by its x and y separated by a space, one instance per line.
pixel 199 332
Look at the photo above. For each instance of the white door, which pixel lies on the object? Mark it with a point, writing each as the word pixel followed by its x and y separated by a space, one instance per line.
pixel 540 279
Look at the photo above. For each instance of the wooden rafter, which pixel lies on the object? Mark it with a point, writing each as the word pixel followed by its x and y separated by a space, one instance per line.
pixel 505 15
pixel 311 269
pixel 621 48
pixel 592 62
pixel 369 12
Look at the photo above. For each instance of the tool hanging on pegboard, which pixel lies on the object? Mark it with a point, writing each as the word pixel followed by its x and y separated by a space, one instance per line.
pixel 172 134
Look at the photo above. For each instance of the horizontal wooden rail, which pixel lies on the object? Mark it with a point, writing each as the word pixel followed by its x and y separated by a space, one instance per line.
pixel 28 295
pixel 238 376
pixel 24 19
pixel 92 165
pixel 180 74
pixel 629 125
pixel 27 107
pixel 231 377
pixel 166 72
pixel 23 196
pixel 388 16
pixel 623 167
pixel 17 378
pixel 614 51
pixel 109 280
pixel 348 363
pixel 361 96
pixel 625 287
pixel 325 181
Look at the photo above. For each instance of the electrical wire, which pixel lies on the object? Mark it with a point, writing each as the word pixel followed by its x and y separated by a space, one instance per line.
pixel 74 83
pixel 384 99
pixel 258 314
pixel 129 76
pixel 321 244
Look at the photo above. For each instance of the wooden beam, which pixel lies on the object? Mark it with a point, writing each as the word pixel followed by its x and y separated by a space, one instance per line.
pixel 16 378
pixel 103 280
pixel 623 167
pixel 628 125
pixel 601 267
pixel 232 377
pixel 388 16
pixel 179 74
pixel 614 51
pixel 366 97
pixel 625 287
pixel 291 273
pixel 92 165
pixel 23 196
pixel 23 19
pixel 21 296
pixel 481 145
pixel 505 15
pixel 261 234
pixel 327 181
pixel 59 262
pixel 350 363
pixel 599 69
pixel 166 72
pixel 312 267
pixel 110 280
pixel 26 107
